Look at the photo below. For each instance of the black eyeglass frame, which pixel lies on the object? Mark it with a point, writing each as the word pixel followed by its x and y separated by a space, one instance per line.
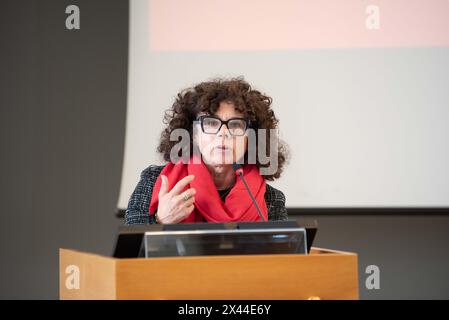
pixel 222 122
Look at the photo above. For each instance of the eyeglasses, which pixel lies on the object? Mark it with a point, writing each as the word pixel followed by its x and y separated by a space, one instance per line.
pixel 212 125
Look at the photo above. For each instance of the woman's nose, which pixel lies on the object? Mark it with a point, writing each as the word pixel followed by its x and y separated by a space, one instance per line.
pixel 224 131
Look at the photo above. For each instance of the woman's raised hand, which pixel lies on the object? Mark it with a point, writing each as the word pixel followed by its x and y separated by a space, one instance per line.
pixel 175 205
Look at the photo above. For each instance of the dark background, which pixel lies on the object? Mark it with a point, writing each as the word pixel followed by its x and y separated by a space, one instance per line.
pixel 63 112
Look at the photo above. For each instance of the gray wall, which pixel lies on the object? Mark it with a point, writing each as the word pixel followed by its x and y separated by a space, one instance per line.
pixel 411 251
pixel 63 109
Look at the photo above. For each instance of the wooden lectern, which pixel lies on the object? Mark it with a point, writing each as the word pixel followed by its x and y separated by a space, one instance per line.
pixel 322 274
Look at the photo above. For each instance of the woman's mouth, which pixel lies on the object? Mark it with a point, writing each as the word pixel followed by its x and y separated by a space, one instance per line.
pixel 222 148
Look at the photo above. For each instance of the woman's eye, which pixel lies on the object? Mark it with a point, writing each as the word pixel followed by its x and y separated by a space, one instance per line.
pixel 237 124
pixel 211 123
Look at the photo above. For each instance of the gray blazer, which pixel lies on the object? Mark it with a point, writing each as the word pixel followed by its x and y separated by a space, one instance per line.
pixel 137 211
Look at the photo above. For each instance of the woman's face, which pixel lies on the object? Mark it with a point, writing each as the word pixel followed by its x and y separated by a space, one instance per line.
pixel 222 147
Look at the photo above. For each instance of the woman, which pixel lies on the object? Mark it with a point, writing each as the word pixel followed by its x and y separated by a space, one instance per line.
pixel 218 116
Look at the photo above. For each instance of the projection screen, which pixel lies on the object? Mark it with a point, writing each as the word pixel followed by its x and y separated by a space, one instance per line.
pixel 360 89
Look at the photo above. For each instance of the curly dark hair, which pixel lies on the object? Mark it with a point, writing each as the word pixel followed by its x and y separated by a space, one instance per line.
pixel 206 97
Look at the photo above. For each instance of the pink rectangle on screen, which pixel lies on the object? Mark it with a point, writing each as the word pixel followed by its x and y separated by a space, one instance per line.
pixel 295 24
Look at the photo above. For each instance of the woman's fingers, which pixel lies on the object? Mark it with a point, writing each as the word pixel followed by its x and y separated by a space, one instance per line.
pixel 185 195
pixel 181 206
pixel 164 186
pixel 176 204
pixel 180 185
pixel 184 213
pixel 188 210
pixel 189 203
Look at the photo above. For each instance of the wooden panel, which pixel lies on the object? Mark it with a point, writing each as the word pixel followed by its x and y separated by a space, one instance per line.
pixel 96 275
pixel 324 274
pixel 327 274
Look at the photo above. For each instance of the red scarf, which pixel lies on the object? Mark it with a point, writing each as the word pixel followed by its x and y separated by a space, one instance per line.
pixel 208 205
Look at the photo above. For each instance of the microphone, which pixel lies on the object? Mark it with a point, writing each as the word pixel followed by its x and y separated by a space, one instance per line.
pixel 239 171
